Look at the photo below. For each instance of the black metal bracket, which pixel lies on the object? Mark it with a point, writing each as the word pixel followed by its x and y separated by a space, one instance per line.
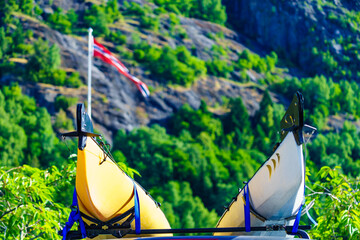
pixel 293 120
pixel 121 232
pixel 84 127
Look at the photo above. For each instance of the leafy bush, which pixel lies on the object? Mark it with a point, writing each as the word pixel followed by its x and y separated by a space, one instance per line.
pixel 211 10
pixel 175 65
pixel 116 37
pixel 43 66
pixel 219 68
pixel 135 9
pixel 337 209
pixel 150 22
pixel 73 80
pixel 59 21
pixel 63 102
pixel 96 18
pixel 27 135
pixel 62 122
pixel 28 202
pixel 44 60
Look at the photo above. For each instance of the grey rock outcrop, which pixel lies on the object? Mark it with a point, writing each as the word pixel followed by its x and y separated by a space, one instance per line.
pixel 116 103
pixel 288 27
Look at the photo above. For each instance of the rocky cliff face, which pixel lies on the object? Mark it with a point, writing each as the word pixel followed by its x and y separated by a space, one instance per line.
pixel 116 103
pixel 283 26
pixel 291 28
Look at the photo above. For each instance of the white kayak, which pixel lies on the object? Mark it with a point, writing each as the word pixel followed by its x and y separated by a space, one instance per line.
pixel 276 191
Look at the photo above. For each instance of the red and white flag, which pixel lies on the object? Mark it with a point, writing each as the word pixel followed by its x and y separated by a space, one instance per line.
pixel 101 52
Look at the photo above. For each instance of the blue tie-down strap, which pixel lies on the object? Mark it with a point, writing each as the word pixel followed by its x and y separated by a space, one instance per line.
pixel 137 211
pixel 74 216
pixel 247 209
pixel 297 221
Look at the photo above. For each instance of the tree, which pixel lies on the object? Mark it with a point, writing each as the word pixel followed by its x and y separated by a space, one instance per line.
pixel 266 125
pixel 43 62
pixel 60 21
pixel 28 208
pixel 96 18
pixel 211 10
pixel 182 208
pixel 337 205
pixel 238 123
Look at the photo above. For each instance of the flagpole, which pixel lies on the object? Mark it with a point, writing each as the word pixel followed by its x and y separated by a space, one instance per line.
pixel 90 53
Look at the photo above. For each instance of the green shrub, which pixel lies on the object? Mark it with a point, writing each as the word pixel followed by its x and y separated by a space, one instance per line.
pixel 181 32
pixel 173 19
pixel 56 77
pixel 135 9
pixel 220 35
pixel 139 55
pixel 219 68
pixel 112 11
pixel 96 18
pixel 62 122
pixel 211 10
pixel 175 65
pixel 160 10
pixel 63 102
pixel 73 19
pixel 43 61
pixel 73 80
pixel 150 22
pixel 59 21
pixel 116 37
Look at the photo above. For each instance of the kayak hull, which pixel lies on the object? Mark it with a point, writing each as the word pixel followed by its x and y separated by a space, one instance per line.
pixel 104 191
pixel 276 191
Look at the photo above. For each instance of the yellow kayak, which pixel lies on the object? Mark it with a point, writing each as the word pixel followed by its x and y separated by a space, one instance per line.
pixel 105 193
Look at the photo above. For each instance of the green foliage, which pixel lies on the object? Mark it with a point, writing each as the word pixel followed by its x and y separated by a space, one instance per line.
pixel 112 11
pixel 337 205
pixel 182 208
pixel 267 124
pixel 219 68
pixel 150 22
pixel 96 18
pixel 340 149
pixel 135 9
pixel 99 17
pixel 60 21
pixel 44 60
pixel 63 102
pixel 174 65
pixel 195 122
pixel 72 17
pixel 3 42
pixel 43 66
pixel 323 97
pixel 27 135
pixel 29 210
pixel 248 60
pixel 211 10
pixel 197 153
pixel 73 80
pixel 237 125
pixel 116 37
pixel 62 122
pixel 26 6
